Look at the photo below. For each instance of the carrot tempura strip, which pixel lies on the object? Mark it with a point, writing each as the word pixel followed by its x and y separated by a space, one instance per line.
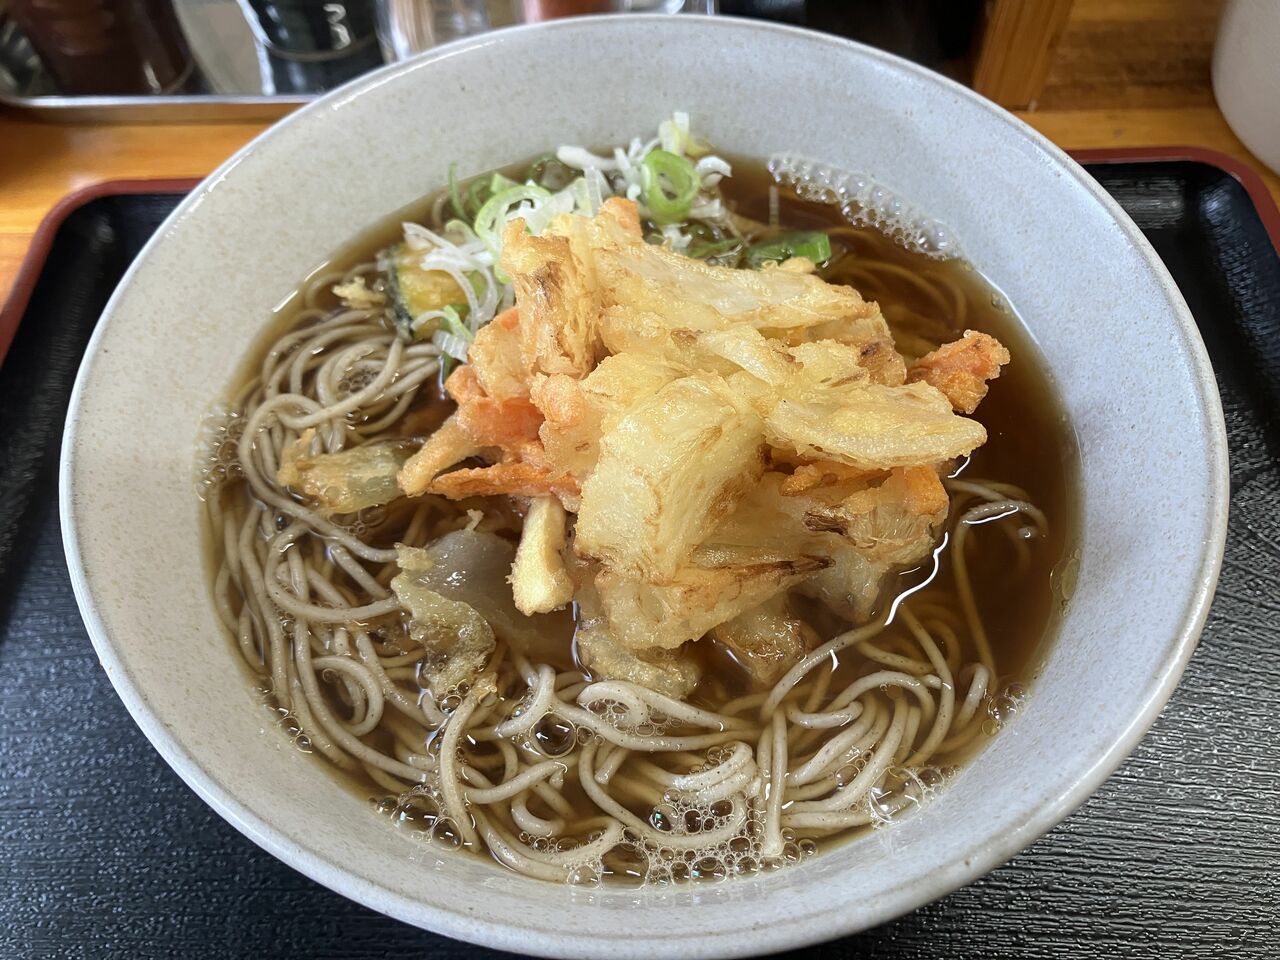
pixel 494 357
pixel 514 478
pixel 961 369
pixel 500 423
pixel 823 473
pixel 922 490
pixel 447 446
pixel 464 385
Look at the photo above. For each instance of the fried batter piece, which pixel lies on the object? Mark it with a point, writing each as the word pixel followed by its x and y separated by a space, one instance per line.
pixel 891 521
pixel 459 641
pixel 868 426
pixel 559 296
pixel 579 412
pixel 638 277
pixel 671 672
pixel 449 444
pixel 767 639
pixel 516 478
pixel 961 369
pixel 823 474
pixel 344 482
pixel 495 358
pixel 668 472
pixel 505 430
pixel 643 613
pixel 539 581
pixel 697 441
pixel 866 525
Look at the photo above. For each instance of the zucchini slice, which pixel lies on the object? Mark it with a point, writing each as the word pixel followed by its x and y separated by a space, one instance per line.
pixel 414 291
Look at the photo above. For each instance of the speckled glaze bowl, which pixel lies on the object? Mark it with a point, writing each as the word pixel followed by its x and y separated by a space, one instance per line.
pixel 1122 347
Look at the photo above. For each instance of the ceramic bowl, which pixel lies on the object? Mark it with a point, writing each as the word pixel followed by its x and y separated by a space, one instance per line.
pixel 1123 351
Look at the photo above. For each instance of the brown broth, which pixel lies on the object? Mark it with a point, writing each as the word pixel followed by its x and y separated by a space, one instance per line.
pixel 926 301
pixel 1030 442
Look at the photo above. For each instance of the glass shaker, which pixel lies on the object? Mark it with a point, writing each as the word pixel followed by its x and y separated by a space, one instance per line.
pixel 314 44
pixel 406 27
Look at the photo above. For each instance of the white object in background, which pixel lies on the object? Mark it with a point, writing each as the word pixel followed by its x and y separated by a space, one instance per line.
pixel 223 45
pixel 666 6
pixel 1246 75
pixel 406 27
pixel 650 6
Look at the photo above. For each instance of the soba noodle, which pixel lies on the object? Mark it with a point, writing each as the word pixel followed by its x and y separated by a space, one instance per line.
pixel 556 774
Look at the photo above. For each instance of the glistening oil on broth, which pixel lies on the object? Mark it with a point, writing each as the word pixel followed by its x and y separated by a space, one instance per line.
pixel 1009 560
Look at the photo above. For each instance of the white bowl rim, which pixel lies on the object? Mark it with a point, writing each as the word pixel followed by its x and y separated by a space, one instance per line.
pixel 780 933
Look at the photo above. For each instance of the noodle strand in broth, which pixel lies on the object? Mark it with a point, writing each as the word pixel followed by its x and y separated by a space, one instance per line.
pixel 564 776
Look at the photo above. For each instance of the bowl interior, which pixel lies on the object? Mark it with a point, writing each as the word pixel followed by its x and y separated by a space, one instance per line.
pixel 1130 369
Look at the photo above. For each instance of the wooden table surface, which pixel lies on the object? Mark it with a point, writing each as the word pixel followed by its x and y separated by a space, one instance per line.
pixel 40 162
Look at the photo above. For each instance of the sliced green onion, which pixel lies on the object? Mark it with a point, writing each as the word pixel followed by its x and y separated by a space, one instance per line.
pixel 499 182
pixel 452 337
pixel 494 212
pixel 459 228
pixel 584 202
pixel 451 345
pixel 695 147
pixel 703 250
pixel 455 194
pixel 454 323
pixel 669 185
pixel 477 193
pixel 675 136
pixel 706 241
pixel 811 244
pixel 455 317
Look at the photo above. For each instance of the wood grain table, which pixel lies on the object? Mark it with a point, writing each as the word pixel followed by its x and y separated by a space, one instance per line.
pixel 40 163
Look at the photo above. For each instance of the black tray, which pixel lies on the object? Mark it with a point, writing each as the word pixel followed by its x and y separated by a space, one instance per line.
pixel 104 852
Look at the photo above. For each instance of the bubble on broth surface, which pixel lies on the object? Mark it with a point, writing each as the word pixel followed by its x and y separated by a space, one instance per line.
pixel 218 459
pixel 865 203
pixel 741 854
